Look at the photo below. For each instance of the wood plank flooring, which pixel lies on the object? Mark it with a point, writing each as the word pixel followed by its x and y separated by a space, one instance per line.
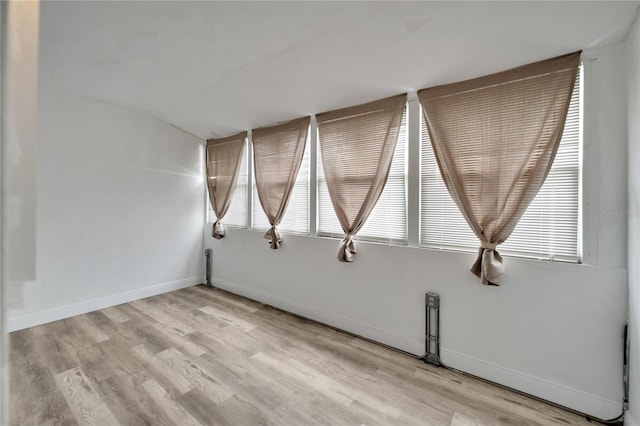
pixel 206 357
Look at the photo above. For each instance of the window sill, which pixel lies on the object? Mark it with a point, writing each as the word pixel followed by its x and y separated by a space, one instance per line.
pixel 558 259
pixel 404 243
pixel 357 238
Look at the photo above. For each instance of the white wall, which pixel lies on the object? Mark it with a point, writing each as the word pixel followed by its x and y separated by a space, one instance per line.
pixel 119 209
pixel 633 96
pixel 605 158
pixel 553 330
pixel 19 34
pixel 19 147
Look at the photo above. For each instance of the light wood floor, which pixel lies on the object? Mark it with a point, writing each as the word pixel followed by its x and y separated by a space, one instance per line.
pixel 201 356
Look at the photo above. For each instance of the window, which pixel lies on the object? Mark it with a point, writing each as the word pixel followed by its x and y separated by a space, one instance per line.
pixel 237 213
pixel 388 220
pixel 296 218
pixel 549 227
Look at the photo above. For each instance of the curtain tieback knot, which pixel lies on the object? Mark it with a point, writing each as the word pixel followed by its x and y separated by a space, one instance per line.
pixel 273 235
pixel 347 249
pixel 488 265
pixel 487 245
pixel 218 230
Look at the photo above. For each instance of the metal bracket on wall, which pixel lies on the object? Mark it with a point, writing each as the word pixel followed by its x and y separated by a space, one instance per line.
pixel 207 255
pixel 432 329
pixel 625 368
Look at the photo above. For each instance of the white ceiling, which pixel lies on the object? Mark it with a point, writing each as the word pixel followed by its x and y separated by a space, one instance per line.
pixel 215 68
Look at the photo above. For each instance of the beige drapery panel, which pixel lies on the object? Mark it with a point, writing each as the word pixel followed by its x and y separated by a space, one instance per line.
pixel 223 166
pixel 277 153
pixel 357 146
pixel 495 138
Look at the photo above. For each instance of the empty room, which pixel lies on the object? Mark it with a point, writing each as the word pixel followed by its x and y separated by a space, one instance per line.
pixel 320 213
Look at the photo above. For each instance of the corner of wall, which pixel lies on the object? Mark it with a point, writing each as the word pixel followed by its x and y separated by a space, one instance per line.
pixel 118 218
pixel 604 157
pixel 632 46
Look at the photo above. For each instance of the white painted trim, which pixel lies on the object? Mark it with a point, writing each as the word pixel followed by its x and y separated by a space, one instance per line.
pixel 249 194
pixel 413 179
pixel 62 312
pixel 313 176
pixel 583 402
pixel 575 399
pixel 629 420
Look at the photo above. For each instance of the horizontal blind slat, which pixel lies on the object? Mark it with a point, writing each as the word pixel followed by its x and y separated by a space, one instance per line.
pixel 296 218
pixel 388 220
pixel 549 227
pixel 237 213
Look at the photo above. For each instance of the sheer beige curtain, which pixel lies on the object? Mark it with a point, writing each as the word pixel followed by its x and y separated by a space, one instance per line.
pixel 357 146
pixel 495 138
pixel 223 166
pixel 277 154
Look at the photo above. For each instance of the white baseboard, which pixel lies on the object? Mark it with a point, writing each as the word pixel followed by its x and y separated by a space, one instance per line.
pixel 629 420
pixel 62 312
pixel 593 405
pixel 583 402
pixel 407 344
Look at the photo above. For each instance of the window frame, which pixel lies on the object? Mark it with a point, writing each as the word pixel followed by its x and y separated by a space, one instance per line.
pixel 255 200
pixel 211 216
pixel 414 180
pixel 466 244
pixel 404 132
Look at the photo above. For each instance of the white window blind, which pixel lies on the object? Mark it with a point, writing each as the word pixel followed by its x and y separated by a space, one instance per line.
pixel 388 220
pixel 296 218
pixel 237 213
pixel 549 227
